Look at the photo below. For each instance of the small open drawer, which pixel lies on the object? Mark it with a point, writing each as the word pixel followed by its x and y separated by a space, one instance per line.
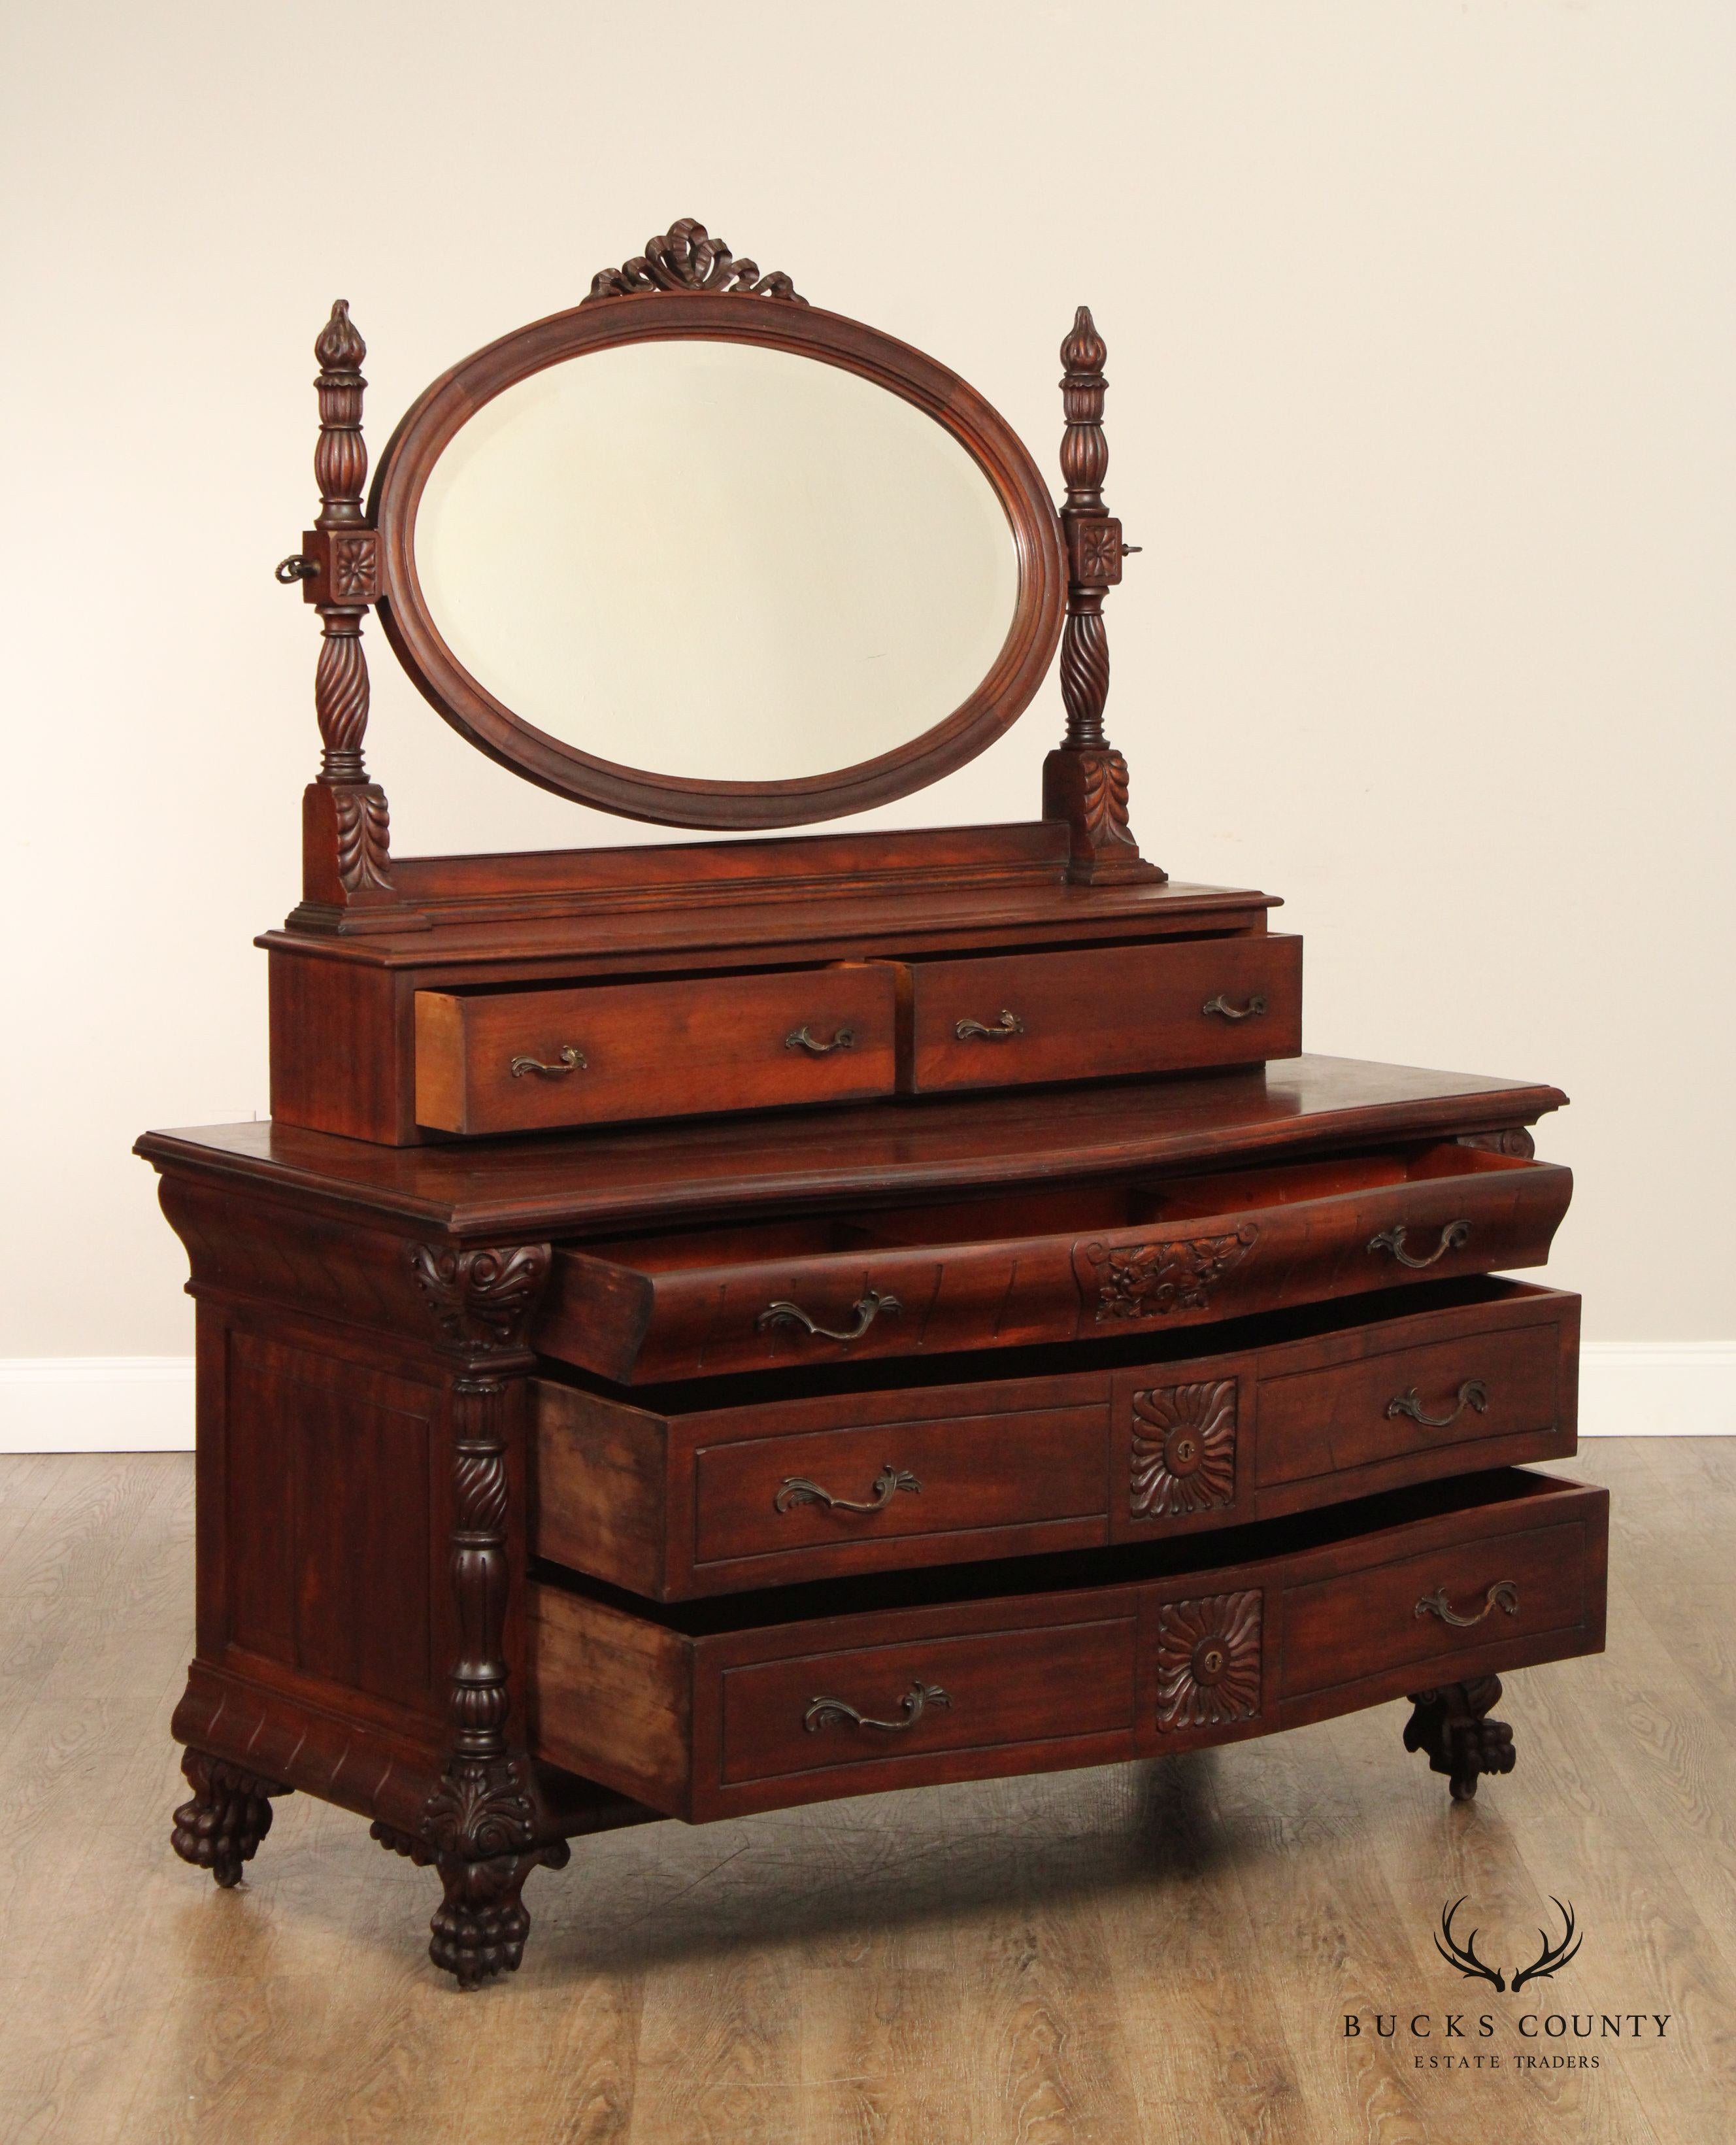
pixel 715 1709
pixel 1064 1262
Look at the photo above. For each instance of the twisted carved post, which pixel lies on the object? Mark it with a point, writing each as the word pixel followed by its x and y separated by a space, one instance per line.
pixel 1085 781
pixel 484 1827
pixel 345 834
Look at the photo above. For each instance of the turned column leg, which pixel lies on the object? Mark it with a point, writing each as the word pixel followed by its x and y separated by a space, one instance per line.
pixel 1450 1723
pixel 228 1815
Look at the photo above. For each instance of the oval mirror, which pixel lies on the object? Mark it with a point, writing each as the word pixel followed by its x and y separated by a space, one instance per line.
pixel 685 571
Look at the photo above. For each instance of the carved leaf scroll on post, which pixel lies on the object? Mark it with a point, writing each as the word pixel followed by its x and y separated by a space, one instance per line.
pixel 1085 780
pixel 345 828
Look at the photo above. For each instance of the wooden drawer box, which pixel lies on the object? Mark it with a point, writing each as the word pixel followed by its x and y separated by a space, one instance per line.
pixel 717 1709
pixel 710 1492
pixel 1055 1263
pixel 1008 1019
pixel 519 1061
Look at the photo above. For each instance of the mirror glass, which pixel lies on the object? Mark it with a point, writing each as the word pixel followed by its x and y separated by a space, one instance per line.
pixel 716 560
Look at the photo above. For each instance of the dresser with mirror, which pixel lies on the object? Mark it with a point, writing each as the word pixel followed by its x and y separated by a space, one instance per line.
pixel 727 1322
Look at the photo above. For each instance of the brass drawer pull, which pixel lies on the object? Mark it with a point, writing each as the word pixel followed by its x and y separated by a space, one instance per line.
pixel 1473 1394
pixel 867 1307
pixel 571 1061
pixel 1392 1240
pixel 1220 1005
pixel 1010 1025
pixel 797 1490
pixel 845 1039
pixel 829 1712
pixel 1503 1594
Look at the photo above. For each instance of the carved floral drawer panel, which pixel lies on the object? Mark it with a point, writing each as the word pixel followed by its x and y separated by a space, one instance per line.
pixel 765 1700
pixel 711 1490
pixel 1069 1262
pixel 1006 1019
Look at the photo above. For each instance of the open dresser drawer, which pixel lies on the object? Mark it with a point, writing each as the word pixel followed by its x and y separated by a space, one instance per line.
pixel 716 1708
pixel 1051 1263
pixel 741 1483
pixel 533 1057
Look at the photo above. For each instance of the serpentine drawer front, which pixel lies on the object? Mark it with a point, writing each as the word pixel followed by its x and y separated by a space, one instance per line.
pixel 1088 1013
pixel 717 1709
pixel 519 1060
pixel 1084 1262
pixel 707 1493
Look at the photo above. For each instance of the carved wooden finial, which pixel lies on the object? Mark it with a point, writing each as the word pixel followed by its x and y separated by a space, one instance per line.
pixel 1084 782
pixel 1084 350
pixel 339 345
pixel 686 257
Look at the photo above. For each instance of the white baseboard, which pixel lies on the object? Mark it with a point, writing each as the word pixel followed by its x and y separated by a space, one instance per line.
pixel 145 1403
pixel 96 1404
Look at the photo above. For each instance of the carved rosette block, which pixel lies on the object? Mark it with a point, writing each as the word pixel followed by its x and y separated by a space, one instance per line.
pixel 686 257
pixel 1184 1449
pixel 1450 1723
pixel 230 1813
pixel 1156 1279
pixel 1208 1661
pixel 1084 782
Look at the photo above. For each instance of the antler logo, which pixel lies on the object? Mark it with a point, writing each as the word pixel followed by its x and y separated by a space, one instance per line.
pixel 1552 1955
pixel 1464 1957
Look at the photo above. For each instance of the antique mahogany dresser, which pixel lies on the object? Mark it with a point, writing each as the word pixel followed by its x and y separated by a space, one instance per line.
pixel 719 1325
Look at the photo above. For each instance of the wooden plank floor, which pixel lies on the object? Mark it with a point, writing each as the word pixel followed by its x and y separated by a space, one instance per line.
pixel 1125 1956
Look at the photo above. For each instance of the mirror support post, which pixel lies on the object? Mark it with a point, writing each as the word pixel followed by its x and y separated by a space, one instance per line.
pixel 1085 779
pixel 346 883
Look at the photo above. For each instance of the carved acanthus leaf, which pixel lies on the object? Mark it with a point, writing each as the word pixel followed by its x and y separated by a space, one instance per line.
pixel 364 838
pixel 1106 800
pixel 481 1299
pixel 1184 1449
pixel 686 257
pixel 1153 1279
pixel 481 1809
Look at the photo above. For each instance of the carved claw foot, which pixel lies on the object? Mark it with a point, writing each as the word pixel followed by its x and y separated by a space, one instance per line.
pixel 480 1926
pixel 221 1828
pixel 1450 1724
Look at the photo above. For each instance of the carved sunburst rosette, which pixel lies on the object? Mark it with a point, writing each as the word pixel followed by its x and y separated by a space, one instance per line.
pixel 1184 1449
pixel 1208 1661
pixel 1151 1279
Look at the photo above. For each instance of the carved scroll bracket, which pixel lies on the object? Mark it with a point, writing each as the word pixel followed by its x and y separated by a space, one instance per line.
pixel 1085 781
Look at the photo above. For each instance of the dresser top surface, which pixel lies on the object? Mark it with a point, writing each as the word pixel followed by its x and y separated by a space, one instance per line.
pixel 569 1183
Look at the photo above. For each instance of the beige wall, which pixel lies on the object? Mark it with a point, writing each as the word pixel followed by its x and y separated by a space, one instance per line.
pixel 1420 315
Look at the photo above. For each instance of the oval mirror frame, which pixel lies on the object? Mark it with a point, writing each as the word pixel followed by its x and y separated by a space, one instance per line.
pixel 779 323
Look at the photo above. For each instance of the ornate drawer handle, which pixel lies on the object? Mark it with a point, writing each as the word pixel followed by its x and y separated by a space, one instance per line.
pixel 1392 1240
pixel 1010 1025
pixel 797 1490
pixel 828 1712
pixel 867 1307
pixel 845 1039
pixel 1503 1594
pixel 1220 1005
pixel 571 1061
pixel 1473 1393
